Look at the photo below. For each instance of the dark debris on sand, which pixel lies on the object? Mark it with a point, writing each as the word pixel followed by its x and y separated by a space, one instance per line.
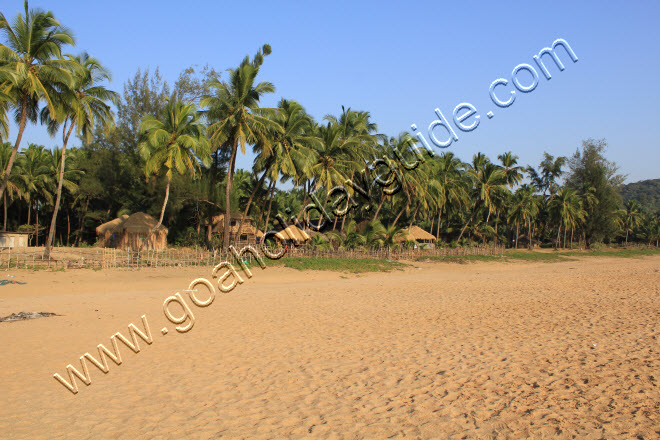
pixel 22 316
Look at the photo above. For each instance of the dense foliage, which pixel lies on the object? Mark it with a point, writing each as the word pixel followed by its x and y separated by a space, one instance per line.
pixel 171 152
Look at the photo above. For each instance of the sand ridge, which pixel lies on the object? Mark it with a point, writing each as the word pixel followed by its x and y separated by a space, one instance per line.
pixel 485 350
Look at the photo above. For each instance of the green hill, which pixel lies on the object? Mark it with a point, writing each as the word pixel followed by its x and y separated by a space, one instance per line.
pixel 646 192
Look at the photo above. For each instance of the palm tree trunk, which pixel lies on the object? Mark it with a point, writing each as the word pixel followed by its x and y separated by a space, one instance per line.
pixel 626 237
pixel 270 204
pixel 51 232
pixel 557 243
pixel 474 210
pixel 564 238
pixel 230 177
pixel 12 156
pixel 380 205
pixel 572 229
pixel 160 219
pixel 36 223
pixel 398 215
pixel 437 234
pixel 249 203
pixel 68 227
pixel 517 233
pixel 82 222
pixel 4 224
pixel 529 236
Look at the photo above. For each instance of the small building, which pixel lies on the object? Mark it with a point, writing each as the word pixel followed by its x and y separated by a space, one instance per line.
pixel 249 232
pixel 419 235
pixel 132 231
pixel 292 232
pixel 105 231
pixel 10 240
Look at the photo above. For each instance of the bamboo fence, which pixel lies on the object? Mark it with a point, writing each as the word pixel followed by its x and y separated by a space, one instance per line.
pixel 106 258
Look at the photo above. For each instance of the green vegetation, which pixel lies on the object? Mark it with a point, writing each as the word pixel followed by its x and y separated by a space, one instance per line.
pixel 645 192
pixel 171 151
pixel 353 265
pixel 546 257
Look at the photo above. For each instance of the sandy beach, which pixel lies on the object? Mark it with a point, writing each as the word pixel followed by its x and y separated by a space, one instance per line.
pixel 435 351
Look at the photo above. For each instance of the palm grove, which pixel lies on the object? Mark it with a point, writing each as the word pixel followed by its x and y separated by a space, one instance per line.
pixel 171 152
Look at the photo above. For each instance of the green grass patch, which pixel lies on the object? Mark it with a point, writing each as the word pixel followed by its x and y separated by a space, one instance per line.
pixel 353 265
pixel 544 257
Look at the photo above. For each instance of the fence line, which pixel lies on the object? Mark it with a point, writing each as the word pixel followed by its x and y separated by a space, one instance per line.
pixel 106 258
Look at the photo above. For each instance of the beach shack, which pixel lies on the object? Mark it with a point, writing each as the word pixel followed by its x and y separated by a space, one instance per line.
pixel 249 232
pixel 10 240
pixel 131 232
pixel 419 235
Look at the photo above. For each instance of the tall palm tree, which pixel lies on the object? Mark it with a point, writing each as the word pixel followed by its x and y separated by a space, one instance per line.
pixel 82 107
pixel 174 143
pixel 12 188
pixel 290 150
pixel 566 208
pixel 236 119
pixel 32 53
pixel 34 179
pixel 632 217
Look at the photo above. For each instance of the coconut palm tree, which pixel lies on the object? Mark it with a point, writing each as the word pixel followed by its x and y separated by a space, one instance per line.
pixel 12 188
pixel 235 118
pixel 32 53
pixel 566 208
pixel 174 143
pixel 632 217
pixel 34 179
pixel 82 107
pixel 290 150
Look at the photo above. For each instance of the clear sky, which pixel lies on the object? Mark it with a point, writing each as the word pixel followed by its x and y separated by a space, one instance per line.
pixel 401 60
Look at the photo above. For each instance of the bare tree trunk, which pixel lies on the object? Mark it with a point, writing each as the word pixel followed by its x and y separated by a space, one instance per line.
pixel 36 223
pixel 53 222
pixel 437 235
pixel 12 156
pixel 398 215
pixel 474 210
pixel 68 227
pixel 82 223
pixel 529 236
pixel 4 224
pixel 557 243
pixel 572 238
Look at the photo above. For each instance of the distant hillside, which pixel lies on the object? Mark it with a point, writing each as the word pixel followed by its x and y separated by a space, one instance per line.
pixel 646 192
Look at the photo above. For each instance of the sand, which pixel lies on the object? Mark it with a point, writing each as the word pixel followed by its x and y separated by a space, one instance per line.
pixel 443 351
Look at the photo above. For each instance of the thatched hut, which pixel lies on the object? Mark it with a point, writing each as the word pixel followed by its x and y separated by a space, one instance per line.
pixel 105 231
pixel 248 235
pixel 132 231
pixel 419 235
pixel 293 232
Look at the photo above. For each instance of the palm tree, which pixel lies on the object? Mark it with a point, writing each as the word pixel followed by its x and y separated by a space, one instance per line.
pixel 84 108
pixel 32 53
pixel 12 188
pixel 175 143
pixel 290 150
pixel 34 179
pixel 566 208
pixel 632 217
pixel 236 118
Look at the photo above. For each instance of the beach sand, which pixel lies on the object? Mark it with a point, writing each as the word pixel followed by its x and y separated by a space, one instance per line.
pixel 443 351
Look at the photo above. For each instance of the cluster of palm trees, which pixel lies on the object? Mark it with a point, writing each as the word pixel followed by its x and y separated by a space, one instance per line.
pixel 460 202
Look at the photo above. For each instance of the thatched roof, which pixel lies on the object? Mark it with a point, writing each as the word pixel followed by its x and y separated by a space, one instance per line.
pixel 140 223
pixel 111 225
pixel 295 231
pixel 415 233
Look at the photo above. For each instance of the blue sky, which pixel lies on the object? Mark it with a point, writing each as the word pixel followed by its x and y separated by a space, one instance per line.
pixel 401 60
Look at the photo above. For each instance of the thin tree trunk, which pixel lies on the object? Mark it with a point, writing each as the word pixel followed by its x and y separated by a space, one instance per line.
pixel 51 232
pixel 4 224
pixel 270 204
pixel 557 243
pixel 398 215
pixel 82 223
pixel 230 177
pixel 12 156
pixel 68 227
pixel 249 203
pixel 36 223
pixel 517 233
pixel 564 238
pixel 572 229
pixel 380 205
pixel 160 219
pixel 626 237
pixel 529 236
pixel 474 210
pixel 437 235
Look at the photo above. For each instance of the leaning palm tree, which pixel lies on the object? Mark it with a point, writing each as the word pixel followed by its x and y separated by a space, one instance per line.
pixel 235 118
pixel 13 189
pixel 31 52
pixel 82 107
pixel 176 142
